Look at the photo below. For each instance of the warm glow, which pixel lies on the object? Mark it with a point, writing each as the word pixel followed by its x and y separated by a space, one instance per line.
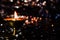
pixel 37 0
pixel 18 2
pixel 27 22
pixel 14 31
pixel 44 3
pixel 34 18
pixel 11 0
pixel 15 15
pixel 22 16
pixel 25 0
pixel 26 17
pixel 32 21
pixel 52 25
pixel 16 7
pixel 40 18
pixel 33 3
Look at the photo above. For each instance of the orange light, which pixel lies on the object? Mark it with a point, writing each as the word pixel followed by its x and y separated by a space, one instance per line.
pixel 33 3
pixel 18 2
pixel 35 20
pixel 15 18
pixel 32 19
pixel 26 17
pixel 32 22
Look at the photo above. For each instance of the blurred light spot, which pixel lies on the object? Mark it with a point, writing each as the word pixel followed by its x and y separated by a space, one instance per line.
pixel 1 24
pixel 26 4
pixel 32 21
pixel 3 31
pixel 16 35
pixel 47 11
pixel 22 0
pixel 33 3
pixel 25 0
pixel 38 4
pixel 19 30
pixel 18 2
pixel 37 0
pixel 11 16
pixel 44 3
pixel 57 16
pixel 11 23
pixel 2 11
pixel 27 17
pixel 40 18
pixel 11 0
pixel 6 38
pixel 16 7
pixel 24 24
pixel 27 22
pixel 11 29
pixel 20 33
pixel 52 25
pixel 1 37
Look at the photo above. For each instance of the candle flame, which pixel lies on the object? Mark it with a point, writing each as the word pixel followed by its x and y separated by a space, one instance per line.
pixel 15 14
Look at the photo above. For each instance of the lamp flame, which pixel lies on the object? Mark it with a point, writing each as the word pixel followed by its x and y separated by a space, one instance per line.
pixel 15 14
